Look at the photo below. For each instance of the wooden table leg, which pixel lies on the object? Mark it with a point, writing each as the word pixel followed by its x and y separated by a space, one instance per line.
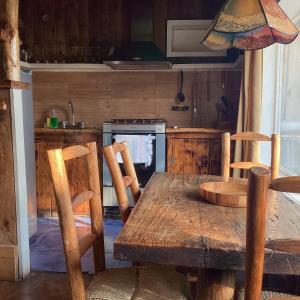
pixel 215 285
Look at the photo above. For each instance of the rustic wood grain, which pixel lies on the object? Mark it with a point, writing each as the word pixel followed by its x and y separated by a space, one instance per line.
pixel 101 96
pixel 8 230
pixel 258 181
pixel 13 84
pixel 47 139
pixel 67 224
pixel 225 172
pixel 250 136
pixel 80 198
pixel 73 247
pixel 231 193
pixel 215 285
pixel 9 40
pixel 192 151
pixel 289 184
pixel 96 207
pixel 275 157
pixel 172 225
pixel 121 182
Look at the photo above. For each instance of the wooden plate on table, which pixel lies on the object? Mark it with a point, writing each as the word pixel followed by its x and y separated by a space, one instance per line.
pixel 231 193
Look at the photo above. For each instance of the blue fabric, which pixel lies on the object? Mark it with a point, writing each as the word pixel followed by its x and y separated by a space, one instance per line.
pixel 46 247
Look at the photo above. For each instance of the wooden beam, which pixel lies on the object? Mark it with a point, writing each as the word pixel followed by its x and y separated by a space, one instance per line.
pixel 9 40
pixel 8 262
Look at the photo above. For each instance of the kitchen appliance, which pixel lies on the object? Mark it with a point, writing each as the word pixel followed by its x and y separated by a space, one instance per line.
pixel 147 143
pixel 140 52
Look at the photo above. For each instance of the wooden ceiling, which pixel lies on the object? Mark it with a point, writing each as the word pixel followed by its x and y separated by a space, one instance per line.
pixel 55 27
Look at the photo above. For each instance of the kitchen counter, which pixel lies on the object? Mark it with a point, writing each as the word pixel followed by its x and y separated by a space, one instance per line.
pixel 195 130
pixel 46 139
pixel 194 151
pixel 67 135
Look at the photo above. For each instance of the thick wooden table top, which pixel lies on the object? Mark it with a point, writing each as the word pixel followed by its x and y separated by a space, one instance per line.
pixel 172 225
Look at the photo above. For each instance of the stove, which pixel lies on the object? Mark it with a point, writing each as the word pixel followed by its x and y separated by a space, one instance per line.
pixel 137 121
pixel 136 132
pixel 135 126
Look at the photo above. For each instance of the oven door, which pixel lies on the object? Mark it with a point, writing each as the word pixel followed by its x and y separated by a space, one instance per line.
pixel 142 148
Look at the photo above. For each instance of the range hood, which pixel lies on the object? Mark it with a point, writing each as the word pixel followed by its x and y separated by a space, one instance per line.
pixel 138 56
pixel 140 53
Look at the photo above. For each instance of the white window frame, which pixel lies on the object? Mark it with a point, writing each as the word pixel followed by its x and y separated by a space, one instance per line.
pixel 290 7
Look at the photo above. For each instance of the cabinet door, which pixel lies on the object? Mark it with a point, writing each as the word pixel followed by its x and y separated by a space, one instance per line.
pixel 188 156
pixel 78 180
pixel 44 186
pixel 215 154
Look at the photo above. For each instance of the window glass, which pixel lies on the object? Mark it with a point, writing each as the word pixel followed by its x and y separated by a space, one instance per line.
pixel 290 109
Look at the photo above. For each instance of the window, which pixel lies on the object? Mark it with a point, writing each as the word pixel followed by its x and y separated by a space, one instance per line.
pixel 289 116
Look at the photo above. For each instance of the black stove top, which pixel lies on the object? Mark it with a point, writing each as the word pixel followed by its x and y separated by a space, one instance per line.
pixel 137 121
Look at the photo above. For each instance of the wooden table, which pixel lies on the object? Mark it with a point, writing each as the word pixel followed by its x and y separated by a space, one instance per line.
pixel 172 225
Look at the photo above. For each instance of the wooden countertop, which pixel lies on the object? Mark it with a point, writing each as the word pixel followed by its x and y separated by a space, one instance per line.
pixel 66 131
pixel 196 130
pixel 53 135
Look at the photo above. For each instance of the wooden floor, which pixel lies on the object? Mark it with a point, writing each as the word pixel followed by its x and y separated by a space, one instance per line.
pixel 39 286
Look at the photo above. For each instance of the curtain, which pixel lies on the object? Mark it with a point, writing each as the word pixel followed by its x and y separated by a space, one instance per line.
pixel 249 114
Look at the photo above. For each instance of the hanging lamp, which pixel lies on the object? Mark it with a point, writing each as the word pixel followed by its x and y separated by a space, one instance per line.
pixel 250 25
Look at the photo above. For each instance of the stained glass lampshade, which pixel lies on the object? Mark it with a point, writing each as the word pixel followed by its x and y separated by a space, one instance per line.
pixel 250 25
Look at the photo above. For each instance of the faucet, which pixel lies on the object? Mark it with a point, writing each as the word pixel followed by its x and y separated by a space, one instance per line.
pixel 72 113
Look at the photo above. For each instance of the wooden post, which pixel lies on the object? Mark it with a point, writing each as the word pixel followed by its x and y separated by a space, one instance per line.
pixel 275 156
pixel 259 179
pixel 215 285
pixel 96 208
pixel 130 171
pixel 9 40
pixel 67 224
pixel 117 179
pixel 226 155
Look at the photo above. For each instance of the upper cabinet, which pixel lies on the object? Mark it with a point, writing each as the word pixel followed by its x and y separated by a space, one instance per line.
pixel 85 31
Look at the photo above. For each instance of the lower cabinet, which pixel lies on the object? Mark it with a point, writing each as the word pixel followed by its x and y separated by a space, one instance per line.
pixel 76 169
pixel 194 151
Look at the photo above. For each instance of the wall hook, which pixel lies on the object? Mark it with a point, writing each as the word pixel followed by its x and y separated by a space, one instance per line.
pixel 3 106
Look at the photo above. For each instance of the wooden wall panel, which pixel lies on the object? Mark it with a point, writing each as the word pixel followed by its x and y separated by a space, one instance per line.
pixel 99 97
pixel 56 29
pixel 8 231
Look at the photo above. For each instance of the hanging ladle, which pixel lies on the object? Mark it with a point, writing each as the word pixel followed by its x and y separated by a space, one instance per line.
pixel 180 95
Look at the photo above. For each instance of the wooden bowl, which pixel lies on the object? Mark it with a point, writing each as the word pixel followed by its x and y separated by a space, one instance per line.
pixel 231 193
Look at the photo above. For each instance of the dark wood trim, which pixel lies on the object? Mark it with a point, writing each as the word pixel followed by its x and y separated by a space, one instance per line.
pixel 11 84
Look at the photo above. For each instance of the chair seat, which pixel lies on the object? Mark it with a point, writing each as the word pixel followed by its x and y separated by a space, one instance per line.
pixel 138 283
pixel 265 295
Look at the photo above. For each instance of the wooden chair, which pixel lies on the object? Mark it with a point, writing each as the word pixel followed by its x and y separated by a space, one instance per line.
pixel 259 179
pixel 251 137
pixel 116 284
pixel 120 182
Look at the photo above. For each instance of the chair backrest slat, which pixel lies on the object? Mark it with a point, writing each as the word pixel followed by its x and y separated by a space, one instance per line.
pixel 74 248
pixel 121 182
pixel 85 242
pixel 289 184
pixel 246 165
pixel 74 152
pixel 80 198
pixel 288 245
pixel 130 171
pixel 250 137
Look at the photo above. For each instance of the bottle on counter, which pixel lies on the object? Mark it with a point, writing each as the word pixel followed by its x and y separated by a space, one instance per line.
pixel 48 122
pixel 53 120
